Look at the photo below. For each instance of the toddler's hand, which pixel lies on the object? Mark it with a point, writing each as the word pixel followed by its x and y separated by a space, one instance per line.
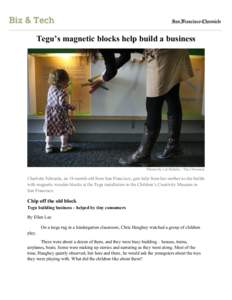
pixel 73 107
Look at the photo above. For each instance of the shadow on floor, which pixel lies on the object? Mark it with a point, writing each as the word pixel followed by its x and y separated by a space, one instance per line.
pixel 107 154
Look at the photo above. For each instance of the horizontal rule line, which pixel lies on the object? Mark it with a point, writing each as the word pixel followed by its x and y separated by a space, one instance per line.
pixel 115 30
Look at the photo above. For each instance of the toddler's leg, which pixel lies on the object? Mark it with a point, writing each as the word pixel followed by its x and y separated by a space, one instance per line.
pixel 64 140
pixel 64 143
pixel 48 147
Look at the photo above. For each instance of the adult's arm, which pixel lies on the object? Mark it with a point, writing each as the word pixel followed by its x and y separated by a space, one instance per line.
pixel 125 55
pixel 123 58
pixel 112 64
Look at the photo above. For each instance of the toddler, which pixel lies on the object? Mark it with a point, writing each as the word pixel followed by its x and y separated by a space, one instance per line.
pixel 57 121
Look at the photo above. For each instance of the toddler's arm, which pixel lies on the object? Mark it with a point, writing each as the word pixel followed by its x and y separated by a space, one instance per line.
pixel 64 103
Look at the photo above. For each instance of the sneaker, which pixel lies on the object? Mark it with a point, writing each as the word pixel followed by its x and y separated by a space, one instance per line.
pixel 66 148
pixel 48 149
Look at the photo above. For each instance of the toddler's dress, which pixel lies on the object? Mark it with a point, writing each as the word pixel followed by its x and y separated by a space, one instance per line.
pixel 57 121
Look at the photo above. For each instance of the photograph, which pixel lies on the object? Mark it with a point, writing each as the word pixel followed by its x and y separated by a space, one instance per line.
pixel 116 107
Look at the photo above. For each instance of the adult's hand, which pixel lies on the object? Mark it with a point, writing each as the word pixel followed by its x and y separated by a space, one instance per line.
pixel 95 85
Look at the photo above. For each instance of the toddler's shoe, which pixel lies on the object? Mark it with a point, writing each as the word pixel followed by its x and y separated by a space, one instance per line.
pixel 66 148
pixel 48 149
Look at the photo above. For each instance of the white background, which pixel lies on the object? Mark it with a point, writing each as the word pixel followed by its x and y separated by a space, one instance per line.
pixel 207 277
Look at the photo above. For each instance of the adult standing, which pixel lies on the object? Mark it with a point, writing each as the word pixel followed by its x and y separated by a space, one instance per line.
pixel 166 68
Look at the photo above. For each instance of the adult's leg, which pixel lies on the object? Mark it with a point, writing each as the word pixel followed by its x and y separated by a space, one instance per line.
pixel 172 147
pixel 154 112
pixel 151 133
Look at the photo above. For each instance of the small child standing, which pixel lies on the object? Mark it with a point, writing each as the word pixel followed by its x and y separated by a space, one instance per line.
pixel 57 121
